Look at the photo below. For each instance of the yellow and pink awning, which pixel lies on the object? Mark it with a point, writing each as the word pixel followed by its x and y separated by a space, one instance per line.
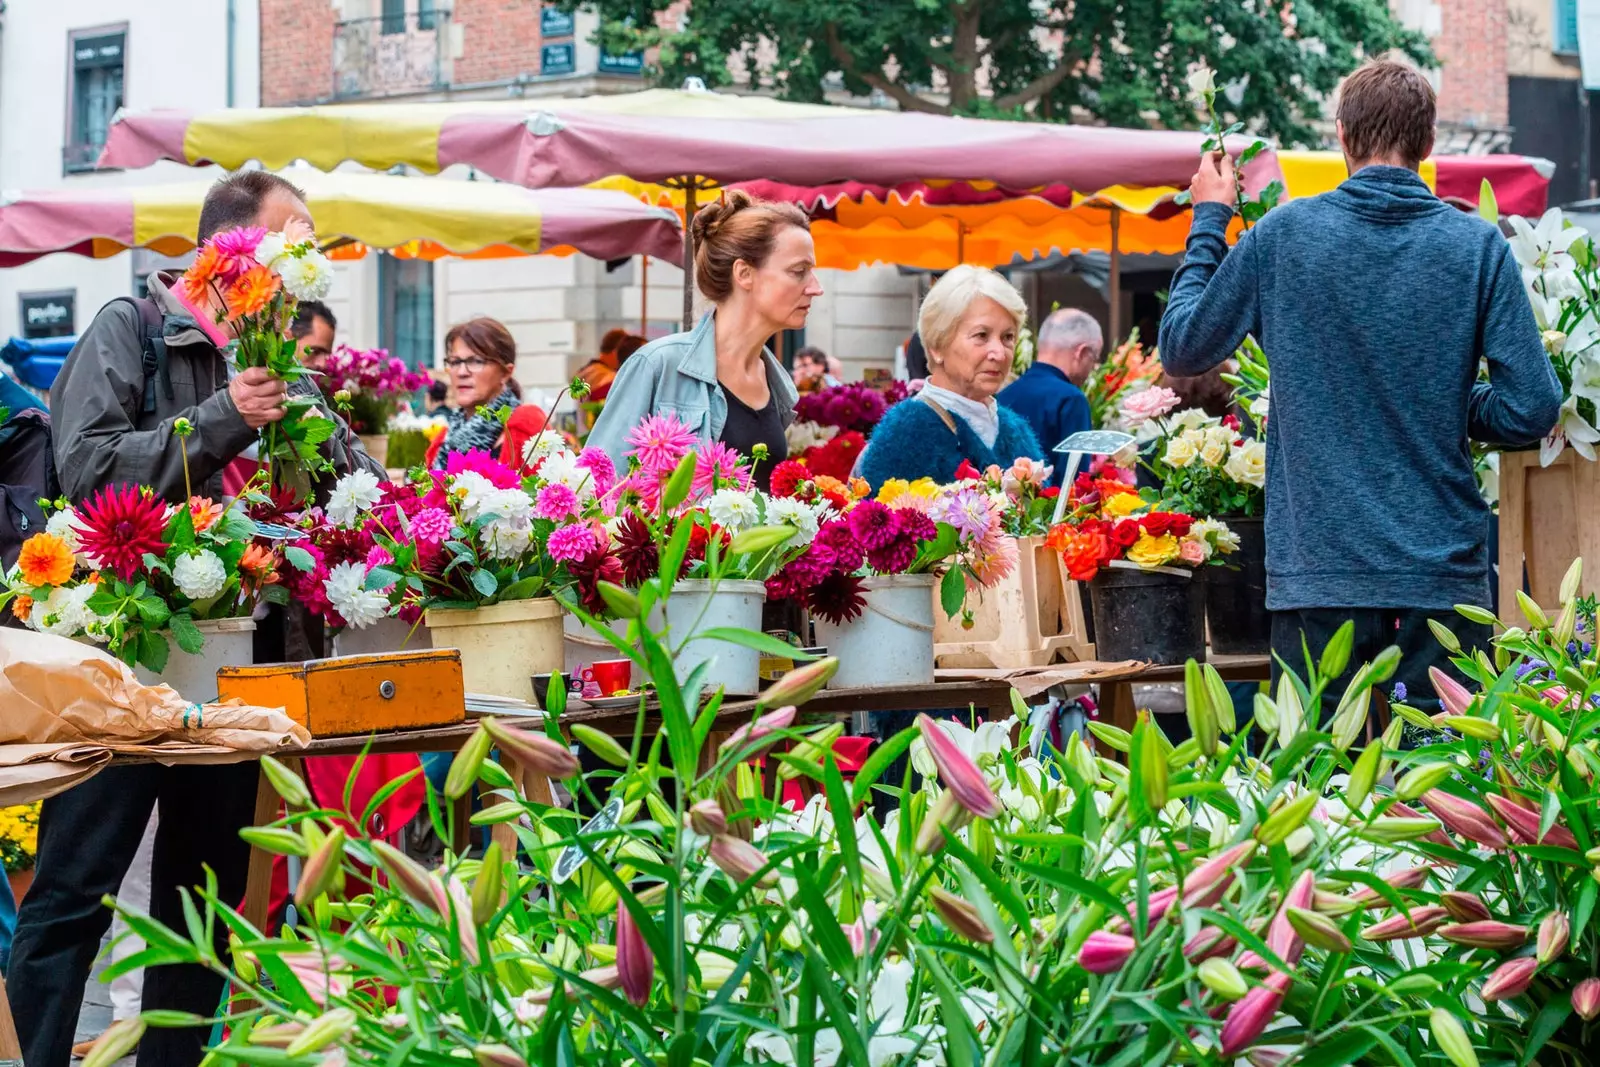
pixel 413 217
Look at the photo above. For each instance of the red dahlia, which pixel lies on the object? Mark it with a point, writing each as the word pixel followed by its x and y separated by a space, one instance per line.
pixel 119 525
pixel 837 598
pixel 788 476
pixel 636 550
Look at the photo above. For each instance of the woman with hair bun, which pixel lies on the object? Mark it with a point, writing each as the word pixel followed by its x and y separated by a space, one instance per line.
pixel 755 263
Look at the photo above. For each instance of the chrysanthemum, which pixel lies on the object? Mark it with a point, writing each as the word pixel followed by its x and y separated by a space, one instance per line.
pixel 718 465
pixel 967 509
pixel 572 542
pixel 660 442
pixel 995 558
pixel 251 292
pixel 873 524
pixel 119 525
pixel 894 557
pixel 258 567
pixel 556 502
pixel 837 598
pixel 206 267
pixel 587 572
pixel 636 550
pixel 784 511
pixel 46 560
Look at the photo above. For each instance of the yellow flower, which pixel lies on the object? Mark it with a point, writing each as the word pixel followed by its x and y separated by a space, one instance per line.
pixel 1121 505
pixel 1153 551
pixel 892 489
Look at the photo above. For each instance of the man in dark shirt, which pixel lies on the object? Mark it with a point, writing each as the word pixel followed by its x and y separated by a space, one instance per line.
pixel 1377 304
pixel 1050 393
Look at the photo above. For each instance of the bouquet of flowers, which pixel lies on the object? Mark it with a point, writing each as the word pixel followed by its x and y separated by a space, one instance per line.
pixel 1129 368
pixel 375 382
pixel 127 570
pixel 1204 464
pixel 1111 521
pixel 255 279
pixel 1029 502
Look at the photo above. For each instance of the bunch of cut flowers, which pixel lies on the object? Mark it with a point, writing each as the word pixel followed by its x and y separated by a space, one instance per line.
pixel 1205 464
pixel 375 382
pixel 1110 522
pixel 127 570
pixel 832 425
pixel 1128 369
pixel 1029 500
pixel 255 279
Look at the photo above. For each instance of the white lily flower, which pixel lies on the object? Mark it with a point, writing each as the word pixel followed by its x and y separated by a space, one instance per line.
pixel 1573 429
pixel 1542 249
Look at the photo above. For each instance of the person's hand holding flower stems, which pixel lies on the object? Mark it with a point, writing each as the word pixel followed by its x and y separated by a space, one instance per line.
pixel 1219 179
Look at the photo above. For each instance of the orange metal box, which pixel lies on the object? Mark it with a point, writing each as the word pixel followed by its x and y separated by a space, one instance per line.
pixel 356 694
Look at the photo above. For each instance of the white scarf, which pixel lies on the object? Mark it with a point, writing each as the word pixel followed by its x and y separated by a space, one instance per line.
pixel 983 416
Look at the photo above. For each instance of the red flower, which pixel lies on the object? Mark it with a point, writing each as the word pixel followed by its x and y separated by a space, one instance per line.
pixel 1081 551
pixel 1231 421
pixel 1180 524
pixel 788 476
pixel 1125 533
pixel 599 566
pixel 967 472
pixel 1050 492
pixel 120 525
pixel 636 551
pixel 1157 523
pixel 837 598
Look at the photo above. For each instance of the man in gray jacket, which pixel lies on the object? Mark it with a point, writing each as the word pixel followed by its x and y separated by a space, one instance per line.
pixel 134 371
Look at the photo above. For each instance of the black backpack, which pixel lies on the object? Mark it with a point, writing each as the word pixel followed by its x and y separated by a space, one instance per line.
pixel 27 473
pixel 154 350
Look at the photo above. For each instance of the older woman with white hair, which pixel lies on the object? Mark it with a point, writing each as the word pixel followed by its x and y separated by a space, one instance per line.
pixel 969 324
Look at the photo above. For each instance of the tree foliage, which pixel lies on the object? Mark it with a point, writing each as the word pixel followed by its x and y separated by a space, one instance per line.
pixel 1118 61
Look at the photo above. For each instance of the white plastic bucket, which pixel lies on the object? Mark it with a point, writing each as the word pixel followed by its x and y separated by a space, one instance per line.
pixel 891 641
pixel 694 607
pixel 386 635
pixel 228 643
pixel 503 645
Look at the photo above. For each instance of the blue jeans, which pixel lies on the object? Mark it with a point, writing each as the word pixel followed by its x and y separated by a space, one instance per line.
pixel 8 922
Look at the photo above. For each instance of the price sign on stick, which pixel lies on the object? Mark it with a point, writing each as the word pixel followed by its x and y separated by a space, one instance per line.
pixel 1086 443
pixel 572 856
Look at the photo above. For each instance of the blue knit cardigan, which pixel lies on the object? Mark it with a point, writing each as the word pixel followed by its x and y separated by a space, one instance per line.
pixel 913 442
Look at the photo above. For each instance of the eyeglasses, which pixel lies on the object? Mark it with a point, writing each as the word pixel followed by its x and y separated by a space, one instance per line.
pixel 474 364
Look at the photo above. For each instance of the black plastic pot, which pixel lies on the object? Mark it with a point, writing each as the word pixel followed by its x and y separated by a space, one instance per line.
pixel 1236 595
pixel 1153 616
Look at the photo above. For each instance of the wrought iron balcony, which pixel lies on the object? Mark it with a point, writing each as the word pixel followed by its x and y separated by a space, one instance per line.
pixel 391 55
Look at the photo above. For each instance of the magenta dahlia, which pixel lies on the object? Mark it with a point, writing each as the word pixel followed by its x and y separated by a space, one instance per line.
pixel 873 524
pixel 914 524
pixel 118 525
pixel 840 542
pixel 894 557
pixel 482 463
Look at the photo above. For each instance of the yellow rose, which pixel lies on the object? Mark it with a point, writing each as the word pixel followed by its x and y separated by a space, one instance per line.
pixel 892 488
pixel 926 488
pixel 1153 551
pixel 1247 464
pixel 1180 451
pixel 1121 505
pixel 1215 450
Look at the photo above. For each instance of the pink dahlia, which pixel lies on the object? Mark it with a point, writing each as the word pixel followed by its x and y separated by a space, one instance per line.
pixel 660 442
pixel 482 463
pixel 838 542
pixel 432 525
pixel 718 463
pixel 572 542
pixel 556 501
pixel 598 463
pixel 894 557
pixel 236 250
pixel 914 524
pixel 118 525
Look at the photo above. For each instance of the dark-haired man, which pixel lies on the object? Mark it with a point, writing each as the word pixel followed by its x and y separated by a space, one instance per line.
pixel 1376 304
pixel 313 330
pixel 136 369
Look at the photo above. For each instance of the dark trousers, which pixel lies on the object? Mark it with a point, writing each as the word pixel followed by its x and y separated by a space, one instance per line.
pixel 87 838
pixel 1375 630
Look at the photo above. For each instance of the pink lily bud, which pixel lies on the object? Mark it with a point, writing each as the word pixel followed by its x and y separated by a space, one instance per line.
pixel 1488 934
pixel 957 772
pixel 1465 818
pixel 960 916
pixel 1524 824
pixel 404 873
pixel 764 727
pixel 1103 953
pixel 1586 998
pixel 1452 694
pixel 1209 942
pixel 1268 1056
pixel 1405 811
pixel 739 859
pixel 461 912
pixel 1419 922
pixel 636 965
pixel 1250 1015
pixel 1213 870
pixel 534 751
pixel 861 935
pixel 707 819
pixel 1333 903
pixel 1554 932
pixel 1282 937
pixel 947 814
pixel 1510 979
pixel 1555 695
pixel 1465 907
pixel 1406 878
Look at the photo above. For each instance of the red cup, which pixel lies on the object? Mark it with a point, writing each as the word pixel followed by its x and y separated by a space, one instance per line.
pixel 611 675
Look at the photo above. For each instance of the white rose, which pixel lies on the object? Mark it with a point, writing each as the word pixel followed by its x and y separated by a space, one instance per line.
pixel 1215 449
pixel 200 576
pixel 1181 450
pixel 1202 83
pixel 1247 464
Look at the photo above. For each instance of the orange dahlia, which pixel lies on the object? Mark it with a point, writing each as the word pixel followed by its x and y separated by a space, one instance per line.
pixel 259 566
pixel 22 607
pixel 207 265
pixel 252 292
pixel 46 560
pixel 203 513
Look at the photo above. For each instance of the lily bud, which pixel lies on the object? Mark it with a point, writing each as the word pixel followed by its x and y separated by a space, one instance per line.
pixel 277 1035
pixel 1488 933
pixel 1388 830
pixel 1566 624
pixel 740 860
pixel 464 768
pixel 1283 938
pixel 1420 780
pixel 1405 878
pixel 1209 942
pixel 1451 1037
pixel 601 744
pixel 1452 694
pixel 276 840
pixel 1333 904
pixel 486 887
pixel 1554 932
pixel 1586 998
pixel 1197 707
pixel 321 870
pixel 960 916
pixel 1418 922
pixel 800 684
pixel 1103 953
pixel 1250 1015
pixel 813 749
pixel 1351 717
pixel 1081 760
pixel 322 1032
pixel 1266 713
pixel 707 819
pixel 636 966
pixel 1465 907
pixel 1510 979
pixel 947 814
pixel 764 727
pixel 1465 818
pixel 404 873
pixel 1149 759
pixel 957 773
pixel 497 1056
pixel 289 785
pixel 1535 615
pixel 1363 776
pixel 533 751
pixel 1222 978
pixel 1221 700
pixel 1524 824
pixel 1215 869
pixel 1317 929
pixel 1291 713
pixel 120 1038
pixel 1277 827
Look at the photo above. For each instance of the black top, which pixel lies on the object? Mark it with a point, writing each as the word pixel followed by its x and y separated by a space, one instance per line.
pixel 746 427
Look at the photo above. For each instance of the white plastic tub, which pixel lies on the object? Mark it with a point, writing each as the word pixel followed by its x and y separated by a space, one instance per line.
pixel 891 641
pixel 228 643
pixel 694 607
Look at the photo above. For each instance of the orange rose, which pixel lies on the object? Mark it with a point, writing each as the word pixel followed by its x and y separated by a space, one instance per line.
pixel 1080 550
pixel 46 560
pixel 252 292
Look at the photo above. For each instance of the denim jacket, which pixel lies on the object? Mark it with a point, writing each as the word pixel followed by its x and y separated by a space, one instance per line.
pixel 678 374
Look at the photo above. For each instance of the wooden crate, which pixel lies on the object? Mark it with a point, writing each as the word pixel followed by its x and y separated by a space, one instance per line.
pixel 1031 619
pixel 1549 516
pixel 356 694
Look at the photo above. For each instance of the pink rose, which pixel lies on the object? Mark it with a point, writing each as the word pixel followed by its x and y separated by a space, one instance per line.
pixel 1139 408
pixel 1192 552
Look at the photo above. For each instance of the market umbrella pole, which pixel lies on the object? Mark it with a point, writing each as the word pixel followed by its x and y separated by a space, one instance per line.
pixel 688 252
pixel 644 296
pixel 1116 277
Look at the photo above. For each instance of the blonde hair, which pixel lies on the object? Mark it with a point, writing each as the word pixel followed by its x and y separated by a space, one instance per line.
pixel 953 294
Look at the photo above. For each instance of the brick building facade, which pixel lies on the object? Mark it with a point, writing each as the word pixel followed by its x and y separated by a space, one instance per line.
pixel 1471 46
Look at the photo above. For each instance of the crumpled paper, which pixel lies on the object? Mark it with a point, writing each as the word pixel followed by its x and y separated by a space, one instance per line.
pixel 66 708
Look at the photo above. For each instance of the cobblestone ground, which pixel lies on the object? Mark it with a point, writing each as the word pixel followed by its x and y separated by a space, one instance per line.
pixel 96 1013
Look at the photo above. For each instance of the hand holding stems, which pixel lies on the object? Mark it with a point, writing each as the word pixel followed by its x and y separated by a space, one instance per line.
pixel 1219 179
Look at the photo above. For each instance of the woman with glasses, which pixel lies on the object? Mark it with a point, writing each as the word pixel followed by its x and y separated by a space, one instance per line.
pixel 480 358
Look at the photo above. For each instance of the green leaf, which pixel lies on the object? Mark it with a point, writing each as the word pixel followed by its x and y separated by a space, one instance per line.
pixel 300 559
pixel 844 825
pixel 153 611
pixel 484 582
pixel 153 651
pixel 952 592
pixel 961 1044
pixel 1545 1025
pixel 1347 1047
pixel 522 589
pixel 381 578
pixel 882 755
pixel 186 633
pixel 277 593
